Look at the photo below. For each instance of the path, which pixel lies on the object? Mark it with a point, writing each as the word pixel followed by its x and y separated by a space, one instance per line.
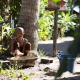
pixel 62 45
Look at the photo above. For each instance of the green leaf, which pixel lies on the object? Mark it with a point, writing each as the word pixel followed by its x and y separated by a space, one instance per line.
pixel 1 19
pixel 56 1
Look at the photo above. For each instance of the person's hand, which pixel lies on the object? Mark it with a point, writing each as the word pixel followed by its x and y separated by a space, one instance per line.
pixel 18 53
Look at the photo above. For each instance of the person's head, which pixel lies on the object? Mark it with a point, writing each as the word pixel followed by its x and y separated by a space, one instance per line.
pixel 19 32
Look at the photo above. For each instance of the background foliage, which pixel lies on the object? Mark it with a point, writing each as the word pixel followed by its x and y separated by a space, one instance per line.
pixel 45 22
pixel 46 18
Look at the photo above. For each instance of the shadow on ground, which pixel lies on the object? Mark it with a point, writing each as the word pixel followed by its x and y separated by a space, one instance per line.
pixel 52 73
pixel 70 78
pixel 48 47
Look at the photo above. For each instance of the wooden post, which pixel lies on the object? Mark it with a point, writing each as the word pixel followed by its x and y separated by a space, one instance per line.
pixel 54 8
pixel 55 32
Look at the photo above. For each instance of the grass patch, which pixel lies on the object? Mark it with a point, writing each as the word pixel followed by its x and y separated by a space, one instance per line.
pixel 41 53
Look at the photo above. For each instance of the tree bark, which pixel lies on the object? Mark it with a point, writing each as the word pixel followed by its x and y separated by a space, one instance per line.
pixel 29 20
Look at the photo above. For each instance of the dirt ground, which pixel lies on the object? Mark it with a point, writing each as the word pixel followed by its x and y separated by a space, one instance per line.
pixel 47 71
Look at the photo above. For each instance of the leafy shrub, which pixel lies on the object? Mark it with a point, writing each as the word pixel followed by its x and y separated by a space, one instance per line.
pixel 45 22
pixel 66 22
pixel 6 34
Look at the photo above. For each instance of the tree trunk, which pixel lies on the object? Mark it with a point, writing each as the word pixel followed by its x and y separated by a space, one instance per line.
pixel 29 20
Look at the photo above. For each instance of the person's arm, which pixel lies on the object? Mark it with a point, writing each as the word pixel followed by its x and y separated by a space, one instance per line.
pixel 27 46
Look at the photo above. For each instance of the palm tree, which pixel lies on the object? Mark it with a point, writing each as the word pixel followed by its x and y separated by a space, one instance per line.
pixel 29 20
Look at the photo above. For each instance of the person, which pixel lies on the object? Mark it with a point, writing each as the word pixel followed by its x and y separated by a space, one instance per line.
pixel 20 46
